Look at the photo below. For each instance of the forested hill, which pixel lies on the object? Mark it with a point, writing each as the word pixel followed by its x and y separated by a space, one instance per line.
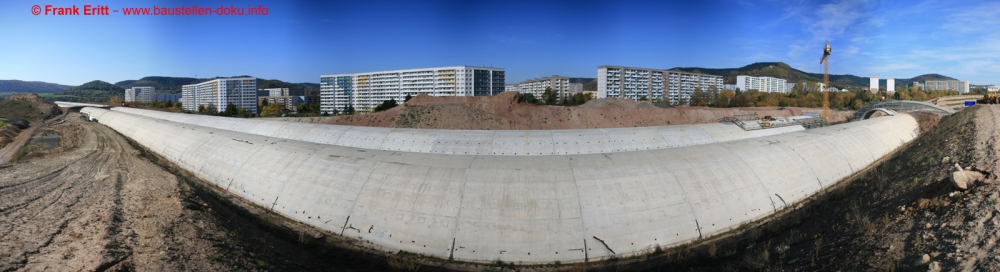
pixel 784 71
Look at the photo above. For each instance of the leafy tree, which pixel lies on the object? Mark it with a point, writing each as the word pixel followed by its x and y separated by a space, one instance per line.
pixel 264 103
pixel 530 98
pixel 798 88
pixel 407 99
pixel 272 110
pixel 643 98
pixel 724 97
pixel 231 110
pixel 549 96
pixel 201 109
pixel 388 104
pixel 349 109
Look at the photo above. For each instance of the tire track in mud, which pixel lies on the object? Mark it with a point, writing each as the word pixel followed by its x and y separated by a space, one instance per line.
pixel 46 206
pixel 100 206
pixel 979 243
pixel 80 193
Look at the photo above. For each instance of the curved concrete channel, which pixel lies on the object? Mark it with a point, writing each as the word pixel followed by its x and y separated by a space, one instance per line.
pixel 531 209
pixel 478 142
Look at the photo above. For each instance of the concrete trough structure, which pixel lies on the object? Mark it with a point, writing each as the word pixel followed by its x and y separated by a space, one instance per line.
pixel 63 104
pixel 479 142
pixel 531 209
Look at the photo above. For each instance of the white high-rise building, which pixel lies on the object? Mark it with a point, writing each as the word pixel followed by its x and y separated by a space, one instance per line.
pixel 365 91
pixel 763 84
pixel 140 94
pixel 537 86
pixel 890 86
pixel 873 85
pixel 219 93
pixel 635 83
pixel 949 85
pixel 576 87
pixel 510 87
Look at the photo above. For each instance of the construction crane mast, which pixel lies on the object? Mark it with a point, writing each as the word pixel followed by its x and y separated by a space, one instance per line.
pixel 826 79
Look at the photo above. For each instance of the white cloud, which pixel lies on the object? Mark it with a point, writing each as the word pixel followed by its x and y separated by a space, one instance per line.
pixel 833 19
pixel 891 68
pixel 978 19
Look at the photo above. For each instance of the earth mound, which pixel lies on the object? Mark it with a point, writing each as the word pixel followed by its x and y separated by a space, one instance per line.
pixel 28 106
pixel 508 111
pixel 614 103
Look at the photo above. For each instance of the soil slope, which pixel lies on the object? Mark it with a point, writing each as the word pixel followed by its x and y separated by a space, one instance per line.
pixel 506 112
pixel 885 218
pixel 28 106
pixel 102 205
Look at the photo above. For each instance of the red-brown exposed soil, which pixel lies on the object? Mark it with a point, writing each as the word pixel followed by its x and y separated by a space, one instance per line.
pixel 505 112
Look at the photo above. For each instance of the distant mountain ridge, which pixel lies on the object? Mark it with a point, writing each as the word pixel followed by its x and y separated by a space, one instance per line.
pixel 173 85
pixel 20 86
pixel 784 71
pixel 98 90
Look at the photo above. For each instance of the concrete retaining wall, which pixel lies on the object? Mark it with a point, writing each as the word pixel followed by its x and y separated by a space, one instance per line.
pixel 533 209
pixel 479 142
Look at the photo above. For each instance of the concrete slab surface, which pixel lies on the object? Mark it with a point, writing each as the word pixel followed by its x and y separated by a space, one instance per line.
pixel 478 142
pixel 520 208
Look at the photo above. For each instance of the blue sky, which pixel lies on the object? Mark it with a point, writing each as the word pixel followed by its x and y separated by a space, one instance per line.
pixel 299 41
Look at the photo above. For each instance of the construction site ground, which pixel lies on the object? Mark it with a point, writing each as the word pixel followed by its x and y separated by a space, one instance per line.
pixel 101 203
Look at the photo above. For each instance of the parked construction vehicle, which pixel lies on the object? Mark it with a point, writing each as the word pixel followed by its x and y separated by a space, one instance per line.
pixel 989 98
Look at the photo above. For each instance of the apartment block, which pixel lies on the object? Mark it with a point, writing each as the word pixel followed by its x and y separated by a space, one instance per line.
pixel 873 85
pixel 537 86
pixel 635 83
pixel 218 93
pixel 510 87
pixel 140 94
pixel 575 88
pixel 290 102
pixel 948 85
pixel 763 84
pixel 173 98
pixel 365 91
pixel 890 86
pixel 279 92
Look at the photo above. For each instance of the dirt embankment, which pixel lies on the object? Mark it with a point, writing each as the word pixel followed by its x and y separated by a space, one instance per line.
pixel 888 217
pixel 7 134
pixel 102 204
pixel 506 112
pixel 28 106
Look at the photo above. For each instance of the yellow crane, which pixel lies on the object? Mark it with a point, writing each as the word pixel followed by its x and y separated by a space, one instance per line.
pixel 826 79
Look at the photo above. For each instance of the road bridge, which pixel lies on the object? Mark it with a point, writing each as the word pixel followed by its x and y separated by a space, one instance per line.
pixel 63 104
pixel 900 106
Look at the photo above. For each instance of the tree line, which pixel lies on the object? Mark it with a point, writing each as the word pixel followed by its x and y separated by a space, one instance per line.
pixel 805 96
pixel 552 97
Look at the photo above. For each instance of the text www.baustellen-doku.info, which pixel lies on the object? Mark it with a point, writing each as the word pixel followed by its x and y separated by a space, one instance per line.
pixel 103 10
